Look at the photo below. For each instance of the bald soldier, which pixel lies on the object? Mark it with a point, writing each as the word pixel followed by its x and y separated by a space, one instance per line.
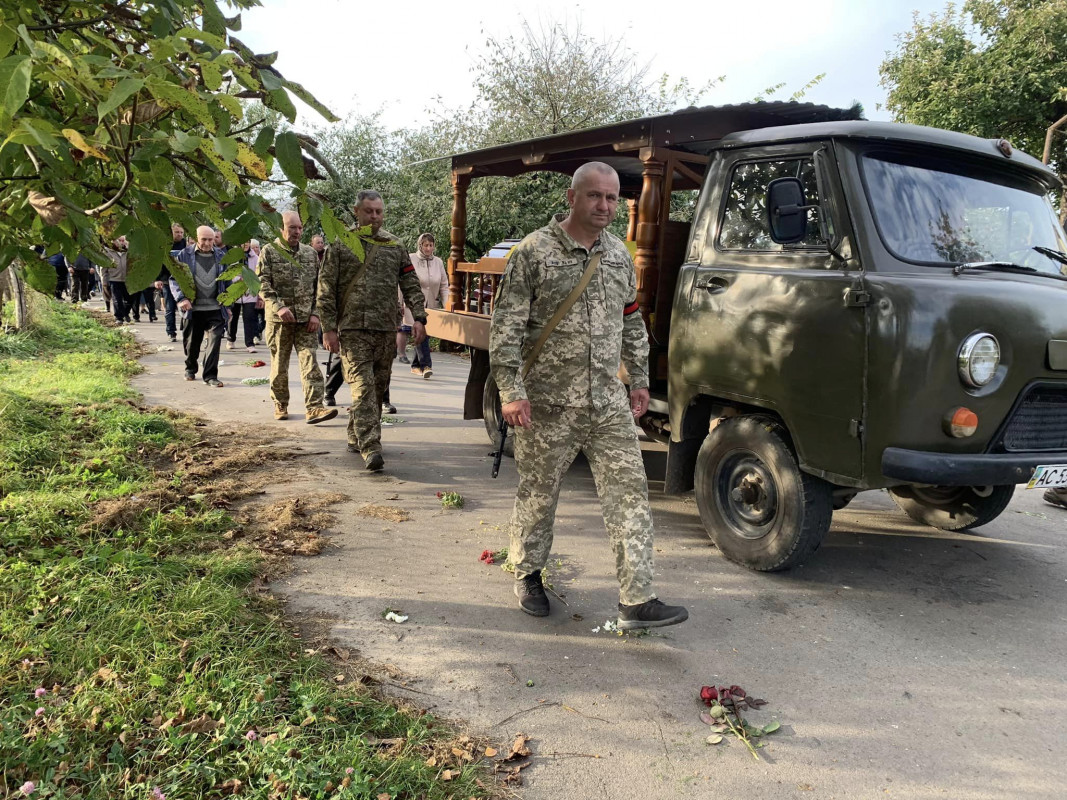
pixel 288 275
pixel 357 303
pixel 572 400
pixel 203 314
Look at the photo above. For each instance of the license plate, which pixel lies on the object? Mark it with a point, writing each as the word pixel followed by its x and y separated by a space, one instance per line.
pixel 1048 477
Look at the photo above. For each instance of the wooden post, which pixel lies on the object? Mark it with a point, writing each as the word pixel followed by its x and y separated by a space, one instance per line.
pixel 648 230
pixel 460 183
pixel 631 225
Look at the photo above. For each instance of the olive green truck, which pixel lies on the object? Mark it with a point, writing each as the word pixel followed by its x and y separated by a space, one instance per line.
pixel 833 305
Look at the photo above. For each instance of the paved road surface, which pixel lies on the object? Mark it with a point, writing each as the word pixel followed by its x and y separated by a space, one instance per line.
pixel 900 661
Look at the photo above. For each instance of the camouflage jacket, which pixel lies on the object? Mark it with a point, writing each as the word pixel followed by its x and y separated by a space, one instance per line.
pixel 288 279
pixel 579 363
pixel 371 304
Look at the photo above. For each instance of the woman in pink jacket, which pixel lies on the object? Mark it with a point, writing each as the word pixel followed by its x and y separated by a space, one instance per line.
pixel 434 281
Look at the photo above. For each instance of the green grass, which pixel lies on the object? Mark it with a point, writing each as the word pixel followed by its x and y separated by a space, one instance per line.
pixel 159 668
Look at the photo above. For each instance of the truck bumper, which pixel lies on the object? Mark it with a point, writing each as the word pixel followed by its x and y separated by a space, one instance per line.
pixel 980 469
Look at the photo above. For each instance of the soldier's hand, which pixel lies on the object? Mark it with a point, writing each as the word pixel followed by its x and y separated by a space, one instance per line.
pixel 285 315
pixel 313 324
pixel 639 402
pixel 517 413
pixel 185 305
pixel 331 342
pixel 418 331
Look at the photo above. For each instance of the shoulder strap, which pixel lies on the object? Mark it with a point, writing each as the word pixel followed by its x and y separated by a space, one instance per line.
pixel 561 312
pixel 355 278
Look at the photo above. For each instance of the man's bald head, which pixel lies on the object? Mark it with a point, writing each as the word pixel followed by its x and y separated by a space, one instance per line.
pixel 292 228
pixel 205 239
pixel 588 170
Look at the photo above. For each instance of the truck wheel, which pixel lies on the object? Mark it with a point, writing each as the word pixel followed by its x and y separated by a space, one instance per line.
pixel 492 415
pixel 756 504
pixel 952 508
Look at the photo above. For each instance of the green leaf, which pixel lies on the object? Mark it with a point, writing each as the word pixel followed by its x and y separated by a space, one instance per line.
pixel 173 95
pixel 40 275
pixel 225 147
pixel 122 92
pixel 233 293
pixel 234 256
pixel 245 228
pixel 715 738
pixel 8 37
pixel 184 143
pixel 271 80
pixel 214 21
pixel 287 149
pixel 15 74
pixel 212 75
pixel 264 139
pixel 149 249
pixel 308 98
pixel 156 681
pixel 771 727
pixel 223 166
pixel 280 102
pixel 183 278
pixel 31 130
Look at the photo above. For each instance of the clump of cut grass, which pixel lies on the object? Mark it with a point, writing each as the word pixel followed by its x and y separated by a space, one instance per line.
pixel 132 654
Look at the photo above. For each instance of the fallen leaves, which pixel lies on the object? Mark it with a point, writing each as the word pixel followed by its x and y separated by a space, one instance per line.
pixel 384 512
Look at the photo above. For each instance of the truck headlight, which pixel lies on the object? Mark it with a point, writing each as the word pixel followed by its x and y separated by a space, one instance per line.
pixel 978 359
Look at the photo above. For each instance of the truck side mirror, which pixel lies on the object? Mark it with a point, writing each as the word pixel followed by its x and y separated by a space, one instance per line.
pixel 786 212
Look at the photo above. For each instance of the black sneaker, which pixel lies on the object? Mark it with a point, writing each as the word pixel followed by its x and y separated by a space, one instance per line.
pixel 531 594
pixel 329 401
pixel 173 337
pixel 375 462
pixel 650 614
pixel 190 376
pixel 353 448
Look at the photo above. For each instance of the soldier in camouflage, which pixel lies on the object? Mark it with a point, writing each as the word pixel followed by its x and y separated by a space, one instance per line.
pixel 358 307
pixel 572 399
pixel 288 273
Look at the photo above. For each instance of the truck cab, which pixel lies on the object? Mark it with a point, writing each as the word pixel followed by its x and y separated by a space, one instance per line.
pixel 853 306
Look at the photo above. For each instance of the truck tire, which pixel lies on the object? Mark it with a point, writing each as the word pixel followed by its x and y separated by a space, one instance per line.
pixel 756 504
pixel 952 508
pixel 492 416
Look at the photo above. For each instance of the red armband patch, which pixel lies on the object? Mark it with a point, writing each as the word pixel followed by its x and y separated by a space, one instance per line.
pixel 407 269
pixel 630 309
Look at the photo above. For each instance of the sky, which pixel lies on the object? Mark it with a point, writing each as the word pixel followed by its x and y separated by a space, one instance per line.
pixel 408 58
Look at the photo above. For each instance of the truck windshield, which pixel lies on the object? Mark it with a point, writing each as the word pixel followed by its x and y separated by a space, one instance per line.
pixel 932 212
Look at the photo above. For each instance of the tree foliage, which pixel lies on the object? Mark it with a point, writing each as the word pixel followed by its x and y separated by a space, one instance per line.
pixel 119 117
pixel 992 68
pixel 549 80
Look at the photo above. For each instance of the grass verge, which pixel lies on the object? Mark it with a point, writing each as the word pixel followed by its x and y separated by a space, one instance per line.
pixel 134 660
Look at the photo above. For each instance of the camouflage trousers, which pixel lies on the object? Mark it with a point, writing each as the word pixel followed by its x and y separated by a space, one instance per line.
pixel 282 337
pixel 543 454
pixel 367 360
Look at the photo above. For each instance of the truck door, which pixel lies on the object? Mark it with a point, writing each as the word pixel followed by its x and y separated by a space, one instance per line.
pixel 777 327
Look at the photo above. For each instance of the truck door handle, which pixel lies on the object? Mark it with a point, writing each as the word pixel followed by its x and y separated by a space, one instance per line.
pixel 713 285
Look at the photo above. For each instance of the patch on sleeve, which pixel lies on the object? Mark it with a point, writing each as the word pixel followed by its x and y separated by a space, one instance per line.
pixel 630 309
pixel 407 269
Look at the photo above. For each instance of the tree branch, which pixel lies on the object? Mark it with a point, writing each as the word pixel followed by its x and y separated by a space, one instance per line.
pixel 126 181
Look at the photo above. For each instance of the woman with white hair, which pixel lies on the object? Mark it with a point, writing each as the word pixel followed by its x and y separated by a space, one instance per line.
pixel 434 281
pixel 245 306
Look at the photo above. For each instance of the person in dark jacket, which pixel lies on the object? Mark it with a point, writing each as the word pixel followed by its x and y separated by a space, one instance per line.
pixel 203 315
pixel 59 263
pixel 81 273
pixel 170 305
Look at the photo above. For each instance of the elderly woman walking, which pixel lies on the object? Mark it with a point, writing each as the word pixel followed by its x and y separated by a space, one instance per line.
pixel 434 282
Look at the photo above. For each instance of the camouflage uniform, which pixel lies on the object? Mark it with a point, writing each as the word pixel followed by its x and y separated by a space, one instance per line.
pixel 366 325
pixel 577 401
pixel 288 280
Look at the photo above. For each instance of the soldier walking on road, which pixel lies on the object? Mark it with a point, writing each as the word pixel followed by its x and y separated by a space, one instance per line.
pixel 357 304
pixel 288 274
pixel 571 398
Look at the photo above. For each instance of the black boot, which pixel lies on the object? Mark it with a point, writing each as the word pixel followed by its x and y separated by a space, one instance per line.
pixel 531 594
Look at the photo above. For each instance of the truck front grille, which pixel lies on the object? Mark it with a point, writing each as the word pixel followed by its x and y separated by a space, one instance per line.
pixel 1039 421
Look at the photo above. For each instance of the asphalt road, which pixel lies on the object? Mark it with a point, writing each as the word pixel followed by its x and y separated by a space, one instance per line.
pixel 900 661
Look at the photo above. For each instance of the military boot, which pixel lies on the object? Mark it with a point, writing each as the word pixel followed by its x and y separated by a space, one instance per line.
pixel 650 614
pixel 280 411
pixel 1057 497
pixel 531 594
pixel 320 414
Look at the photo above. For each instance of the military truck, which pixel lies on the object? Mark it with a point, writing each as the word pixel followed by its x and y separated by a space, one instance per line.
pixel 853 305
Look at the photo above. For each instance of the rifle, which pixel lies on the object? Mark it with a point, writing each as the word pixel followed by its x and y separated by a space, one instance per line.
pixel 499 454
